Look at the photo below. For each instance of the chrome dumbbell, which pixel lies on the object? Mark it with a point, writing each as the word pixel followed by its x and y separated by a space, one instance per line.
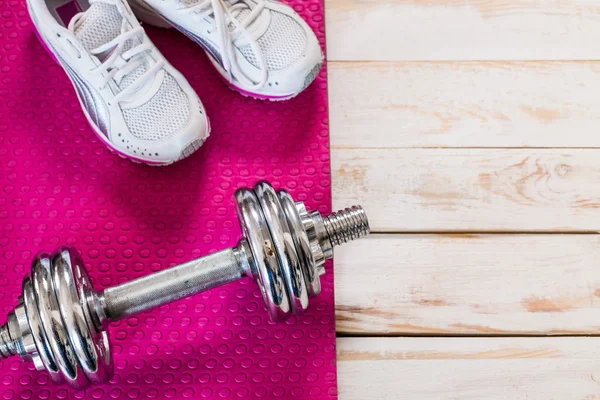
pixel 60 321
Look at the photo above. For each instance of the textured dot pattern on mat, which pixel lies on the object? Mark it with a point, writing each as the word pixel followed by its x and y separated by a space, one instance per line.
pixel 61 186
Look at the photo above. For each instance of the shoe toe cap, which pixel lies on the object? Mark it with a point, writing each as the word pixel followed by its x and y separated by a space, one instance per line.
pixel 187 141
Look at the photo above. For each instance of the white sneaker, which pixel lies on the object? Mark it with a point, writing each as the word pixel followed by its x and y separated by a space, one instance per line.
pixel 262 48
pixel 138 104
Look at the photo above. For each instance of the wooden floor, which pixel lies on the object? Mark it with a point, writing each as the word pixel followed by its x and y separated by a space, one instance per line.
pixel 470 132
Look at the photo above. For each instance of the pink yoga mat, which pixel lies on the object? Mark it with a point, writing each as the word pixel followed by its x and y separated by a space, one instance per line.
pixel 60 186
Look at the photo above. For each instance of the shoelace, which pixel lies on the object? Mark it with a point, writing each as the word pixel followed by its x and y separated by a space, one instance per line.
pixel 225 12
pixel 134 57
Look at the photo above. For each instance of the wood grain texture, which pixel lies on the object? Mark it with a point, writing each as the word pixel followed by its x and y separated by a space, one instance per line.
pixel 466 190
pixel 469 284
pixel 462 30
pixel 467 117
pixel 464 104
pixel 469 368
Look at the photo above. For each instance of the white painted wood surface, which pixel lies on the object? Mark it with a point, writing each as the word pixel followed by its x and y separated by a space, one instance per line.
pixel 469 284
pixel 462 30
pixel 482 118
pixel 471 190
pixel 464 104
pixel 469 368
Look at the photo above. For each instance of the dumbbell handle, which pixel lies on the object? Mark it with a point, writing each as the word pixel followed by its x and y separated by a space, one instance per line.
pixel 196 276
pixel 175 283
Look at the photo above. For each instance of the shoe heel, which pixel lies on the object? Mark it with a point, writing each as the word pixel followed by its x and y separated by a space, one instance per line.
pixel 148 16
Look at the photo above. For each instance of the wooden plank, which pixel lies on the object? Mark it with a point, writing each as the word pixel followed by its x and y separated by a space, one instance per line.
pixel 469 284
pixel 464 104
pixel 462 30
pixel 469 368
pixel 466 190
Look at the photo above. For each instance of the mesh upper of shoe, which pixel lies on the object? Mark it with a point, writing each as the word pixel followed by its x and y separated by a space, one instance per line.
pixel 282 45
pixel 101 25
pixel 168 111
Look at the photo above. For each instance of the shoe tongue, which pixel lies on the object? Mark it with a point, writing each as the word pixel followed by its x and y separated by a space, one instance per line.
pixel 256 27
pixel 243 14
pixel 100 24
pixel 240 15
